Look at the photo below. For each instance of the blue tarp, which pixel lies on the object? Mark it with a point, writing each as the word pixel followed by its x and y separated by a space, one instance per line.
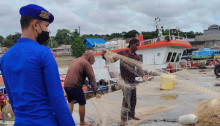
pixel 92 42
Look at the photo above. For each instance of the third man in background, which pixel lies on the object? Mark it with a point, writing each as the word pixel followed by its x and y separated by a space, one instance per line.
pixel 79 69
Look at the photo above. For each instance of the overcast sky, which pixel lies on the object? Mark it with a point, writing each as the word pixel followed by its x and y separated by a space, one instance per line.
pixel 111 16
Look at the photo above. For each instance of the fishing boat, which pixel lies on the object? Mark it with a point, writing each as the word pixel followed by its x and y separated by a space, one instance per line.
pixel 205 53
pixel 162 52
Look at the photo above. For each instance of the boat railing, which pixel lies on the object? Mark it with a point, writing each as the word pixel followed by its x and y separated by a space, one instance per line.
pixel 172 37
pixel 165 37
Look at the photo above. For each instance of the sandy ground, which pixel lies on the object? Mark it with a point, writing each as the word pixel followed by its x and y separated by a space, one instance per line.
pixel 155 107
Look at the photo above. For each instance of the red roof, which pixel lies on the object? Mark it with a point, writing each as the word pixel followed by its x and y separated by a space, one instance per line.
pixel 155 45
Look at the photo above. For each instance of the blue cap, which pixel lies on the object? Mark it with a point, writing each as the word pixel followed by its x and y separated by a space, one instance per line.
pixel 37 12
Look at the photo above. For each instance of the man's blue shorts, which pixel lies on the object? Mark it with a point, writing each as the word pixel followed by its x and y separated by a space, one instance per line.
pixel 75 94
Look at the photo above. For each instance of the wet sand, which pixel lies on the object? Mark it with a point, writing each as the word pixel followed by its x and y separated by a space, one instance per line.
pixel 154 106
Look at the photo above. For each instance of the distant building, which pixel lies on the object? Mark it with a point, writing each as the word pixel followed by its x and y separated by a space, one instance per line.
pixel 94 42
pixel 210 39
pixel 62 50
pixel 115 44
pixel 206 41
pixel 213 29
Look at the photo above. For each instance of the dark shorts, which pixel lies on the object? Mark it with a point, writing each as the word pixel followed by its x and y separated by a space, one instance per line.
pixel 75 94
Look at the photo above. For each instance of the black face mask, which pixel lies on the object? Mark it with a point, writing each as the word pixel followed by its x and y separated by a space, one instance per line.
pixel 43 37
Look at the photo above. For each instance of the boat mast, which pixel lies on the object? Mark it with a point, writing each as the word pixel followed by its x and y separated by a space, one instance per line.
pixel 159 28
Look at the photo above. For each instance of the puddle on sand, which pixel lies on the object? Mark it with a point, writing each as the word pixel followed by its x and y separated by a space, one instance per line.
pixel 208 78
pixel 168 96
pixel 205 83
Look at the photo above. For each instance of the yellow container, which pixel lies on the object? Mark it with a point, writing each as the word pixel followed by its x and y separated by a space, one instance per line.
pixel 167 81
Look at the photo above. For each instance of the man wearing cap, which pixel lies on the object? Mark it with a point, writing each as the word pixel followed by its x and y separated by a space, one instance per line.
pixel 129 94
pixel 31 76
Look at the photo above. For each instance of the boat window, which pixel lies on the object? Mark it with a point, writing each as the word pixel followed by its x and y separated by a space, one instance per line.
pixel 141 57
pixel 169 56
pixel 178 57
pixel 173 57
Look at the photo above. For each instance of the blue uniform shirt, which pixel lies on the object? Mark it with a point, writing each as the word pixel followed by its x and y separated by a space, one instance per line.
pixel 32 81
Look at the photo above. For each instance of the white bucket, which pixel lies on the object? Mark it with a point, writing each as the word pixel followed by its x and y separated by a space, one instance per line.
pixel 188 119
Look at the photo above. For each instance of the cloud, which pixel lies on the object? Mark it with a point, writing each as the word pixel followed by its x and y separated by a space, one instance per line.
pixel 8 21
pixel 110 16
pixel 60 2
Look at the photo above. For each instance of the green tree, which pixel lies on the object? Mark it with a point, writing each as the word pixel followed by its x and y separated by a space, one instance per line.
pixel 198 33
pixel 166 32
pixel 61 35
pixel 78 48
pixel 10 40
pixel 191 34
pixel 68 40
pixel 52 43
pixel 131 34
pixel 116 35
pixel 1 39
pixel 150 35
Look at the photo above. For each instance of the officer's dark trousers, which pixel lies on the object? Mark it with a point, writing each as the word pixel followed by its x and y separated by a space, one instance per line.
pixel 128 104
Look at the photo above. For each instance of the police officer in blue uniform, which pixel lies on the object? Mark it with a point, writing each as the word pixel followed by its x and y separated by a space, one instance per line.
pixel 31 76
